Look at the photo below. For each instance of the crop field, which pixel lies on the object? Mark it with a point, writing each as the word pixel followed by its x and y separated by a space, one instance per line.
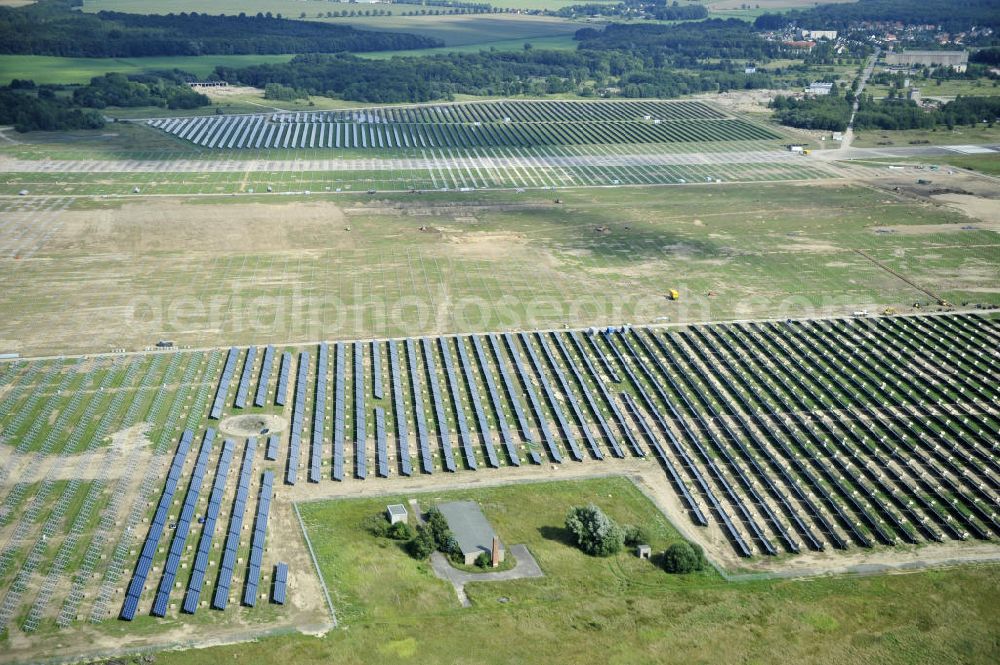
pixel 763 443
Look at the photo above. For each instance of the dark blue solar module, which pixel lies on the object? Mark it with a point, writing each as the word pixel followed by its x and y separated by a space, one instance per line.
pixel 224 380
pixel 281 392
pixel 402 432
pixel 197 579
pixel 244 387
pixel 339 413
pixel 319 415
pixel 279 592
pixel 444 436
pixel 377 371
pixel 426 461
pixel 265 375
pixel 257 540
pixel 228 564
pixel 145 562
pixel 360 423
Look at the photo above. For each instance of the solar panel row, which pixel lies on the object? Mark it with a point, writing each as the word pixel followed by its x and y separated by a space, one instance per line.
pixel 298 416
pixel 281 392
pixel 381 451
pixel 197 579
pixel 319 414
pixel 426 461
pixel 360 423
pixel 145 562
pixel 244 386
pixel 182 527
pixel 265 374
pixel 377 371
pixel 402 432
pixel 456 402
pixel 227 376
pixel 444 436
pixel 257 540
pixel 339 413
pixel 228 564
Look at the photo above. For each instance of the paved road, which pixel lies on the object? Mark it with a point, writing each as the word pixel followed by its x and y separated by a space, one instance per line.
pixel 525 567
pixel 845 143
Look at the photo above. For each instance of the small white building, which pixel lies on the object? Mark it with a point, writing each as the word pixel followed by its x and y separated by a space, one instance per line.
pixel 816 35
pixel 819 88
pixel 396 513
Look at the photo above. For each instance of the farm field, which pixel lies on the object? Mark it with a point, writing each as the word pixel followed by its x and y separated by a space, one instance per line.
pixel 43 69
pixel 761 489
pixel 476 30
pixel 978 135
pixel 288 8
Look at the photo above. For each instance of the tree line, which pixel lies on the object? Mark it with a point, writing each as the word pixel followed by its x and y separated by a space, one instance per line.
pixel 950 15
pixel 52 27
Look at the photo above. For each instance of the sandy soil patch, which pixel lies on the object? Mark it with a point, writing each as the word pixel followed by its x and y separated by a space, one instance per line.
pixel 977 207
pixel 252 425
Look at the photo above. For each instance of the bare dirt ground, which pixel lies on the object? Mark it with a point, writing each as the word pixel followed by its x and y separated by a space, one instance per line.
pixel 253 425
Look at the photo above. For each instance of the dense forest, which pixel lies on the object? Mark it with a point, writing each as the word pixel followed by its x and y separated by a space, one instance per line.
pixel 832 112
pixel 52 27
pixel 950 15
pixel 29 107
pixel 621 60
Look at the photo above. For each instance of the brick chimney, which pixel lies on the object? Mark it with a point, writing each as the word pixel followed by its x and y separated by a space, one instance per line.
pixel 495 554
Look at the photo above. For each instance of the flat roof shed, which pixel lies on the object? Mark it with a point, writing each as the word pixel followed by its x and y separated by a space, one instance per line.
pixel 470 528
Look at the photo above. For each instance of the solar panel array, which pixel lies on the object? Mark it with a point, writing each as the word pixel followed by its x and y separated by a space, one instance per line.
pixel 789 436
pixel 182 527
pixel 444 435
pixel 244 386
pixel 499 124
pixel 279 592
pixel 145 562
pixel 298 416
pixel 200 567
pixel 260 397
pixel 227 376
pixel 257 540
pixel 228 564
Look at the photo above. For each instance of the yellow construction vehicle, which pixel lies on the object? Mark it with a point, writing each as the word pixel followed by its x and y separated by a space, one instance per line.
pixel 888 311
pixel 673 295
pixel 806 151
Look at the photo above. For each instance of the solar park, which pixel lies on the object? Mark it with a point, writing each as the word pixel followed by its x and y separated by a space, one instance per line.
pixel 762 433
pixel 151 495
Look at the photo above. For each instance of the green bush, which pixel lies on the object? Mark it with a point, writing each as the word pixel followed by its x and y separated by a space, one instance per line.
pixel 400 531
pixel 377 525
pixel 595 533
pixel 683 557
pixel 635 535
pixel 422 544
pixel 484 560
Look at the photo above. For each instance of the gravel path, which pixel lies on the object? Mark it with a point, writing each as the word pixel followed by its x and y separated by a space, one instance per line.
pixel 525 567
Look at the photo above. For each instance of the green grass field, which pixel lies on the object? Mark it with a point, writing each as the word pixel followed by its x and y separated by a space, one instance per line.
pixel 621 609
pixel 52 69
pixel 288 8
pixel 467 30
pixel 873 138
